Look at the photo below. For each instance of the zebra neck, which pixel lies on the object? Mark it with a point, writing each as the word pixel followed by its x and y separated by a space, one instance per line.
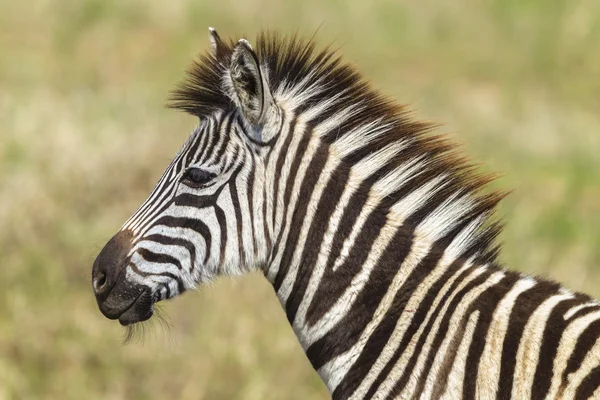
pixel 336 303
pixel 345 303
pixel 353 240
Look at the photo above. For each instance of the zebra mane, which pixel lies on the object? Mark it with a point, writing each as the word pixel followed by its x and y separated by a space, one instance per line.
pixel 310 78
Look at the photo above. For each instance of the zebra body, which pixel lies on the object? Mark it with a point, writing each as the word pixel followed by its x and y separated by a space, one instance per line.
pixel 376 236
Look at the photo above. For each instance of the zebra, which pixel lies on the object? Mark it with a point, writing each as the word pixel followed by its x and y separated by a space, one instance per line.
pixel 379 238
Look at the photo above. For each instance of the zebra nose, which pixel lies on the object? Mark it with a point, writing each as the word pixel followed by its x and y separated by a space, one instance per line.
pixel 110 263
pixel 102 278
pixel 100 282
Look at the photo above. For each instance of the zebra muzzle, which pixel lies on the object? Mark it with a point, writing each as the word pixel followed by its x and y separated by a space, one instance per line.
pixel 129 303
pixel 118 298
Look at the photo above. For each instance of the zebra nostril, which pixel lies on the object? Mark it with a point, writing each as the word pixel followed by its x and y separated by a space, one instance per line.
pixel 100 282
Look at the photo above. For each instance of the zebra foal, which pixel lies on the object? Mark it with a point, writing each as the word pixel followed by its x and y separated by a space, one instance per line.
pixel 377 237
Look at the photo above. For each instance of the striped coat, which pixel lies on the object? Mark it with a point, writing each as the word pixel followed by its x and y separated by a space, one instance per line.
pixel 378 238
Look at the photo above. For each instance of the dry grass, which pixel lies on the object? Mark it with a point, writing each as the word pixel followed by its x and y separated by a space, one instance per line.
pixel 84 137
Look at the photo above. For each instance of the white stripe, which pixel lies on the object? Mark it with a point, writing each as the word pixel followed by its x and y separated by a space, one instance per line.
pixel 401 324
pixel 580 307
pixel 454 386
pixel 488 377
pixel 291 206
pixel 290 278
pixel 359 137
pixel 445 217
pixel 319 267
pixel 366 167
pixel 529 346
pixel 416 199
pixel 344 303
pixel 454 325
pixel 334 370
pixel 565 349
pixel 375 195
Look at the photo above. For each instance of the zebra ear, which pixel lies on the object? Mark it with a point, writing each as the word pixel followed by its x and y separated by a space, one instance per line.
pixel 251 92
pixel 216 44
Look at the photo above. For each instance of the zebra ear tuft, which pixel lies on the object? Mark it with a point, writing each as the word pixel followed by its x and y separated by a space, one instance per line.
pixel 250 89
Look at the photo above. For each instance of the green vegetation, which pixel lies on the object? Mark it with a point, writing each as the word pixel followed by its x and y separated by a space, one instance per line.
pixel 84 137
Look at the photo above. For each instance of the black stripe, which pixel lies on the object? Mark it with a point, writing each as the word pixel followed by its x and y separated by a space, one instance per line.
pixel 168 290
pixel 429 299
pixel 486 303
pixel 325 297
pixel 345 334
pixel 222 221
pixel 215 133
pixel 197 139
pixel 334 283
pixel 584 345
pixel 238 213
pixel 217 153
pixel 279 167
pixel 375 221
pixel 447 363
pixel 176 278
pixel 589 385
pixel 525 305
pixel 198 201
pixel 203 140
pixel 585 310
pixel 155 206
pixel 311 177
pixel 159 258
pixel 265 224
pixel 486 300
pixel 178 241
pixel 147 203
pixel 400 301
pixel 329 198
pixel 553 331
pixel 189 223
pixel 286 201
pixel 250 197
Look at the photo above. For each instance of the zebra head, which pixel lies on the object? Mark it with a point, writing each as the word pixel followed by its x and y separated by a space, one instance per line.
pixel 203 218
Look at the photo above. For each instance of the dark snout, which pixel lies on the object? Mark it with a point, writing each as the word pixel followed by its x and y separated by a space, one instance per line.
pixel 117 297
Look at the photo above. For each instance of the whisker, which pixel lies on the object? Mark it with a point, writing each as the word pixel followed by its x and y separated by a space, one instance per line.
pixel 138 332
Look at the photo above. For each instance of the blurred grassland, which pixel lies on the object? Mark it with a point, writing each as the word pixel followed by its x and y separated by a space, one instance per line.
pixel 84 137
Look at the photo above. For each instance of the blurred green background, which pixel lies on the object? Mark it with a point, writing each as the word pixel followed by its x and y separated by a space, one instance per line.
pixel 84 136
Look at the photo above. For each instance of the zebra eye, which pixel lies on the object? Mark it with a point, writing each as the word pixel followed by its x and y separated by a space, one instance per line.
pixel 196 177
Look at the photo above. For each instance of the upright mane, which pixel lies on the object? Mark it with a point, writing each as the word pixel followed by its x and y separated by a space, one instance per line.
pixel 370 129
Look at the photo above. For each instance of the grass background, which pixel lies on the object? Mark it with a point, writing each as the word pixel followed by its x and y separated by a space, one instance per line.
pixel 84 136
